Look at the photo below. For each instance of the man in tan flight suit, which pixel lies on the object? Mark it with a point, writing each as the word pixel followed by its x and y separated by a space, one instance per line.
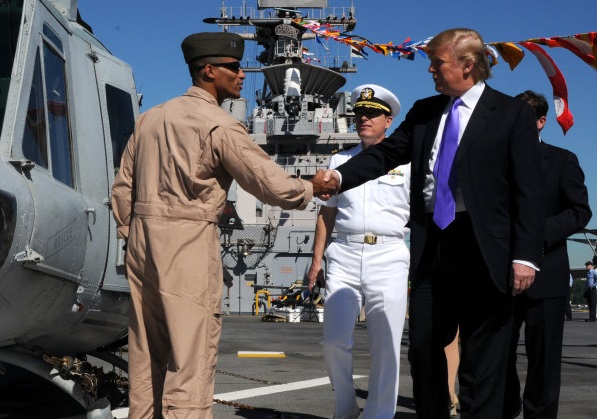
pixel 167 198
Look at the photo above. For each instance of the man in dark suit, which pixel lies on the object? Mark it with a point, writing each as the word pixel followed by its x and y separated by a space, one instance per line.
pixel 542 307
pixel 466 264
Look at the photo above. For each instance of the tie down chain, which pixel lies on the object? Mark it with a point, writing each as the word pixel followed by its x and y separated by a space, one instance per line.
pixel 273 412
pixel 244 377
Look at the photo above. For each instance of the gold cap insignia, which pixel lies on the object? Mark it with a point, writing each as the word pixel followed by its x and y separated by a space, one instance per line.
pixel 367 93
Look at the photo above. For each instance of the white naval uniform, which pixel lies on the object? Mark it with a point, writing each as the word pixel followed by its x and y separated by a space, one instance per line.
pixel 376 273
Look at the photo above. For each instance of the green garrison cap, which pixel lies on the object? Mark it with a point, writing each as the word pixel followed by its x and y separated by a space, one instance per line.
pixel 213 44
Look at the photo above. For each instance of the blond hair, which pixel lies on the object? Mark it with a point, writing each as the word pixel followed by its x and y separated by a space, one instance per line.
pixel 465 45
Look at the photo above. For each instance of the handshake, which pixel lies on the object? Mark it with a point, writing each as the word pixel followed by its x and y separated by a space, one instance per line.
pixel 325 184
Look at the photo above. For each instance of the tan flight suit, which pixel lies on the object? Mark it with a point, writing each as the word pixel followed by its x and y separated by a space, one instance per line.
pixel 167 197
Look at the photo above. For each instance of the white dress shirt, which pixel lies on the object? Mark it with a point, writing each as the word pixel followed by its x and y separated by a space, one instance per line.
pixel 469 101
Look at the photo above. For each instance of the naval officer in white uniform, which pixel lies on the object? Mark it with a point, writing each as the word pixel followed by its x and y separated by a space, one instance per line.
pixel 367 264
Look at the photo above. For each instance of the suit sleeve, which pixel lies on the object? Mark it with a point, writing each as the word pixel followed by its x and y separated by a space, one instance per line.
pixel 378 160
pixel 527 212
pixel 574 201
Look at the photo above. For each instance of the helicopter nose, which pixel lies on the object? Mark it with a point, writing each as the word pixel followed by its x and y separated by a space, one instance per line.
pixel 8 212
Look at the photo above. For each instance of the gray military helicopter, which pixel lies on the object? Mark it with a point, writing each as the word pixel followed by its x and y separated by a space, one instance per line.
pixel 67 109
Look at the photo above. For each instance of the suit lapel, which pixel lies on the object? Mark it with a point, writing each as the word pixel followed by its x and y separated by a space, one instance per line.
pixel 482 114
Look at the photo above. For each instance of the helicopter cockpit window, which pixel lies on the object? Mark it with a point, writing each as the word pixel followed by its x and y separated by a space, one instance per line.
pixel 34 136
pixel 122 120
pixel 58 118
pixel 53 38
pixel 10 18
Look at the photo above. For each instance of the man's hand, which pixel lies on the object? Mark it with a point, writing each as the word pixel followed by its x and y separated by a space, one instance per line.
pixel 522 277
pixel 325 184
pixel 315 276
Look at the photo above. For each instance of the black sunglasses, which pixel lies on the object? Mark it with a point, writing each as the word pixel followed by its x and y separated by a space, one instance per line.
pixel 368 113
pixel 233 66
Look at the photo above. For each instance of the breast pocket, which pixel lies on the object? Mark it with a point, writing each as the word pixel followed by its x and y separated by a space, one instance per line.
pixel 391 189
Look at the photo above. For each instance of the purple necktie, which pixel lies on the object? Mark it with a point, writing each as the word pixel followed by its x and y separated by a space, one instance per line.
pixel 445 179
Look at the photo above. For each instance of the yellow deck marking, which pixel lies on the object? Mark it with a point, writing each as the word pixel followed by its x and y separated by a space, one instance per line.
pixel 260 354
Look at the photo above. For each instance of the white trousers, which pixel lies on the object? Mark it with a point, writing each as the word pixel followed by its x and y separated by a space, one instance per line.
pixel 377 274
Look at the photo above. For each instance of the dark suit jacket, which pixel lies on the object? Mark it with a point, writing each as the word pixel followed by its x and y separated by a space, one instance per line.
pixel 567 211
pixel 498 169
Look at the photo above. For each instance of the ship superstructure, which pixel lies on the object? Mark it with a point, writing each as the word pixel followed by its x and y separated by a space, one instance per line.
pixel 300 119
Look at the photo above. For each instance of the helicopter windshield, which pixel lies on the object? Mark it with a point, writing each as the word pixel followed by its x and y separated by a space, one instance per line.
pixel 10 22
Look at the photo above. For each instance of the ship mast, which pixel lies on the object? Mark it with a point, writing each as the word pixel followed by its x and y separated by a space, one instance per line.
pixel 300 118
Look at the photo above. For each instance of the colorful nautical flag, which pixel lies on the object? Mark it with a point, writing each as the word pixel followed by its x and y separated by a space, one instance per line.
pixel 560 90
pixel 582 45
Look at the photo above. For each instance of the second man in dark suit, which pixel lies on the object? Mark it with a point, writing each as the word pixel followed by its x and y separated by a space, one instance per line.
pixel 542 307
pixel 483 241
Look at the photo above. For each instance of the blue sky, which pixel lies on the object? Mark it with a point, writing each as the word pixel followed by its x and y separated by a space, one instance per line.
pixel 147 35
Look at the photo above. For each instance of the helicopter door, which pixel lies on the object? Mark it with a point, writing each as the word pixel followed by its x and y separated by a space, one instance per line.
pixel 119 107
pixel 58 242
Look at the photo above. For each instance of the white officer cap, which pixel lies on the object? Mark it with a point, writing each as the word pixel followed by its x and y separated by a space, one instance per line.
pixel 375 97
